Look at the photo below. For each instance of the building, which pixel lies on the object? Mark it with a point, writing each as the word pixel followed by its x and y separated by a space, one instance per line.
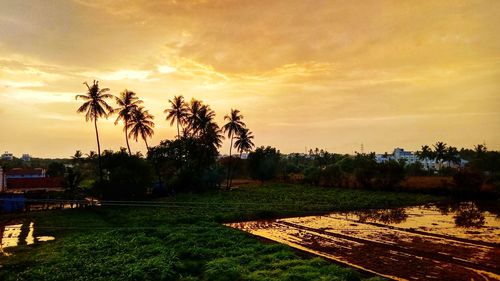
pixel 22 173
pixel 24 180
pixel 2 180
pixel 26 157
pixel 7 156
pixel 409 157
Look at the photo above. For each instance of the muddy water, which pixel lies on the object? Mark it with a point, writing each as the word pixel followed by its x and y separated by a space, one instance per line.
pixel 445 242
pixel 16 234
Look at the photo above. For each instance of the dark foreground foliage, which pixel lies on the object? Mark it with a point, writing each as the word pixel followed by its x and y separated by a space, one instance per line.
pixel 185 240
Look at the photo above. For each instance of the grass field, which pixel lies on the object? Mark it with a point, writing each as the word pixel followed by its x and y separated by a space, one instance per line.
pixel 182 238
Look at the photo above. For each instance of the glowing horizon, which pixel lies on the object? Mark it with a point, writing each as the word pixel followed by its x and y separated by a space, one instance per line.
pixel 326 74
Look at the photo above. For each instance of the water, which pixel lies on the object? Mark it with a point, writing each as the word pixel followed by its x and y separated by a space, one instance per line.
pixel 16 234
pixel 442 242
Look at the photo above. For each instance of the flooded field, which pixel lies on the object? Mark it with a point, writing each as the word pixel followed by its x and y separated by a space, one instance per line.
pixel 16 234
pixel 442 242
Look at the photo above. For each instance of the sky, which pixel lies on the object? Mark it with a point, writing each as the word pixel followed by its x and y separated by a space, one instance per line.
pixel 328 74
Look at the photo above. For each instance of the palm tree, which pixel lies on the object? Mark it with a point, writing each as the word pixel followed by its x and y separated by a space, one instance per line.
pixel 452 156
pixel 425 154
pixel 177 112
pixel 95 107
pixel 91 155
pixel 233 126
pixel 480 150
pixel 440 151
pixel 141 124
pixel 77 157
pixel 127 102
pixel 243 141
pixel 192 115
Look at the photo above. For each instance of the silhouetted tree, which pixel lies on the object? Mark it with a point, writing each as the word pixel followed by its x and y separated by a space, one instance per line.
pixel 233 126
pixel 95 107
pixel 263 163
pixel 141 124
pixel 127 102
pixel 440 151
pixel 178 112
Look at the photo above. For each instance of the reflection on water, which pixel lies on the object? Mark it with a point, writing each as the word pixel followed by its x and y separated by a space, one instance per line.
pixel 468 215
pixel 449 241
pixel 19 234
pixel 383 216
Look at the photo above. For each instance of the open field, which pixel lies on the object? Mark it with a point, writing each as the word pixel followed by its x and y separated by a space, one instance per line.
pixel 182 237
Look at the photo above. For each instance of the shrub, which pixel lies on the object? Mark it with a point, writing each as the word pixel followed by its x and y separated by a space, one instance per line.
pixel 467 181
pixel 263 163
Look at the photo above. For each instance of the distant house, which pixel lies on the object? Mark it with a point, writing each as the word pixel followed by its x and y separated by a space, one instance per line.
pixel 411 158
pixel 398 154
pixel 26 157
pixel 22 173
pixel 7 156
pixel 22 180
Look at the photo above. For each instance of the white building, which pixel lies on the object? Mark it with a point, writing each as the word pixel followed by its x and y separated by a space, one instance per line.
pixel 26 157
pixel 7 156
pixel 409 157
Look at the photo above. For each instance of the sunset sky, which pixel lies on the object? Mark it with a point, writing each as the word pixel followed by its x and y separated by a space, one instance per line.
pixel 327 74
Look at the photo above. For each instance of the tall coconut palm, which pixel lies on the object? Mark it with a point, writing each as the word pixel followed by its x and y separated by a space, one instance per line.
pixel 452 156
pixel 95 107
pixel 141 124
pixel 440 151
pixel 243 141
pixel 177 112
pixel 127 102
pixel 192 116
pixel 233 126
pixel 425 154
pixel 203 120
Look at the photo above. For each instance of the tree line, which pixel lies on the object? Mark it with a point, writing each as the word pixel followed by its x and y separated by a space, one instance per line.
pixel 193 152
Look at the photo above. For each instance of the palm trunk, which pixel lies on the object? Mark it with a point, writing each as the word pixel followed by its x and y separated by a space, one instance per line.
pixel 98 150
pixel 126 138
pixel 178 131
pixel 229 166
pixel 147 146
pixel 231 178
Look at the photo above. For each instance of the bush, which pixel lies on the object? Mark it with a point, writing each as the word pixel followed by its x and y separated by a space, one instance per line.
pixel 389 174
pixel 467 181
pixel 312 176
pixel 263 163
pixel 186 164
pixel 126 176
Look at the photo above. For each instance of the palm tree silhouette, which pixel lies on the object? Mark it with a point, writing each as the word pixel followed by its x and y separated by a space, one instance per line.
pixel 206 128
pixel 141 124
pixel 127 102
pixel 425 154
pixel 233 126
pixel 440 151
pixel 192 115
pixel 95 107
pixel 177 112
pixel 243 141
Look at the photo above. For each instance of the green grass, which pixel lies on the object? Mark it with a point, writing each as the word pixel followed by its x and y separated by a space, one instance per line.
pixel 187 243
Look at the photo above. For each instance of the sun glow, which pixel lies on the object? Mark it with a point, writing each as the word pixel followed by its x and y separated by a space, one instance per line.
pixel 323 74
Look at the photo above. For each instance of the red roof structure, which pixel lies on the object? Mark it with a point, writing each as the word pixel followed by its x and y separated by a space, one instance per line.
pixel 35 183
pixel 25 172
